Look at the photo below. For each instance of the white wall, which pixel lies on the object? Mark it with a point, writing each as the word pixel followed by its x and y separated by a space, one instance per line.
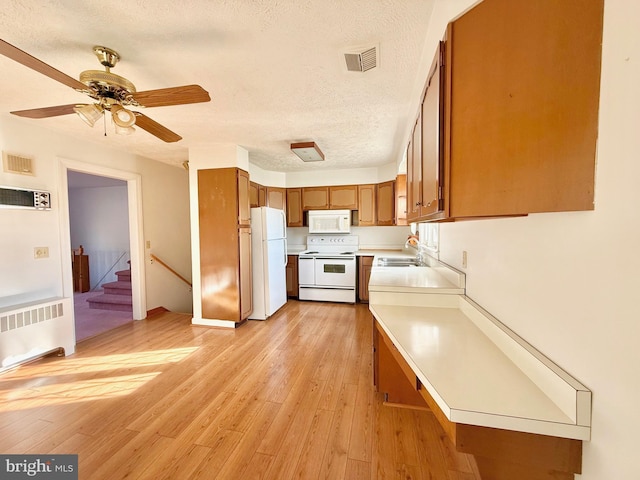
pixel 167 232
pixel 99 221
pixel 568 282
pixel 342 177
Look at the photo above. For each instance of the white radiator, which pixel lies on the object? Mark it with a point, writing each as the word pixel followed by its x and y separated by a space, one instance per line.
pixel 33 329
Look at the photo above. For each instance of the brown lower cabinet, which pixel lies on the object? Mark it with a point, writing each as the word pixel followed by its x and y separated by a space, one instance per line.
pixel 364 272
pixel 499 454
pixel 291 272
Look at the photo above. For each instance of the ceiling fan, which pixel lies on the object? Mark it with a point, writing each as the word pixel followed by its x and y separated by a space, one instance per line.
pixel 110 92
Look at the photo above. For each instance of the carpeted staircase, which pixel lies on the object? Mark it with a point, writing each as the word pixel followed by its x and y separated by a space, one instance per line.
pixel 116 296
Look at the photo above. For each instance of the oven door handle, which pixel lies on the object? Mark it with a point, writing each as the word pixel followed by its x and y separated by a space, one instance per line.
pixel 335 258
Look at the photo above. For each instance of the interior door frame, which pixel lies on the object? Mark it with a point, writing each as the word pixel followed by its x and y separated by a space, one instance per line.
pixel 136 231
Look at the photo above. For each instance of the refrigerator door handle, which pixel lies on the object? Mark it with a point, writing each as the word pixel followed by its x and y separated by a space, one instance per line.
pixel 286 257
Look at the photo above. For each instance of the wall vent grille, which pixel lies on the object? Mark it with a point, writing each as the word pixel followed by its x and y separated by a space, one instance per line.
pixel 17 164
pixel 362 60
pixel 30 315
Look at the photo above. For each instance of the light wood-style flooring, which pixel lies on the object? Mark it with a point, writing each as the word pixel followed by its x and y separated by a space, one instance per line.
pixel 291 397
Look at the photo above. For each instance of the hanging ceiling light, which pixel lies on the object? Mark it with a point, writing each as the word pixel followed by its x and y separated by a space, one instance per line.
pixel 89 113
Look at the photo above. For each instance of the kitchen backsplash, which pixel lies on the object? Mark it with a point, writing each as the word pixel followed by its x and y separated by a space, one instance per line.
pixel 382 238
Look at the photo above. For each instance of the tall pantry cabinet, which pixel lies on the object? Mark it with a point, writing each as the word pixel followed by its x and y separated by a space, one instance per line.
pixel 225 244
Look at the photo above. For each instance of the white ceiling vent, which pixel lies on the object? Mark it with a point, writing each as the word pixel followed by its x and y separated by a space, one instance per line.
pixel 17 164
pixel 361 60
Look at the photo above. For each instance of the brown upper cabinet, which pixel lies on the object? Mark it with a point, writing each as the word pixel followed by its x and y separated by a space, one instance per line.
pixel 257 195
pixel 253 194
pixel 343 197
pixel 315 198
pixel 401 200
pixel 386 203
pixel 244 208
pixel 509 119
pixel 367 205
pixel 294 207
pixel 276 197
pixel 414 172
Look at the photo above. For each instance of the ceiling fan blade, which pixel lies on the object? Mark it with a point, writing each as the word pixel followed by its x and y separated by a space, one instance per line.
pixel 172 96
pixel 39 66
pixel 47 111
pixel 154 128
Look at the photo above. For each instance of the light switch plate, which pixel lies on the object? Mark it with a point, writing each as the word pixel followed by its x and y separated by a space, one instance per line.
pixel 41 252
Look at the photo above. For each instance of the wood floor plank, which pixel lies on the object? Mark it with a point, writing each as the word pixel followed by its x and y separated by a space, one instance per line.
pixel 383 465
pixel 310 461
pixel 133 458
pixel 405 437
pixel 183 466
pixel 224 444
pixel 286 435
pixel 357 470
pixel 334 462
pixel 257 467
pixel 360 443
pixel 290 397
pixel 428 436
pixel 292 415
pixel 93 454
pixel 241 456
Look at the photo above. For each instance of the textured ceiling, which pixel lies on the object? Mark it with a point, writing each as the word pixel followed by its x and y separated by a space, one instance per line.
pixel 275 71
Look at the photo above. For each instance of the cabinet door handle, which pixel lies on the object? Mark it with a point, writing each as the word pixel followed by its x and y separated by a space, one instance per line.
pixel 429 204
pixel 418 204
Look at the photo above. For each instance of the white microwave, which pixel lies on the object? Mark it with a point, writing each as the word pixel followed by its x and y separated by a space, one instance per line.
pixel 329 221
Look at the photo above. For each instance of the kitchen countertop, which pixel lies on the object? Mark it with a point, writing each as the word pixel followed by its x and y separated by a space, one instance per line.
pixel 435 277
pixel 476 369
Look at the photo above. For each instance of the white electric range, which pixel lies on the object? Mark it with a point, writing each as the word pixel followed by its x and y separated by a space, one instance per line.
pixel 327 268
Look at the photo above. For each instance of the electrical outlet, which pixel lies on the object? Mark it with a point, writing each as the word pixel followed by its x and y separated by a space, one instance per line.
pixel 41 252
pixel 464 259
pixel 148 243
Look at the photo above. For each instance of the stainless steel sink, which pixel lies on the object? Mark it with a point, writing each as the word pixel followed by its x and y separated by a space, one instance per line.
pixel 398 262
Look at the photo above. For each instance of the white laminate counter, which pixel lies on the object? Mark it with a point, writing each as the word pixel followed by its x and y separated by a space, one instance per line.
pixel 435 278
pixel 477 370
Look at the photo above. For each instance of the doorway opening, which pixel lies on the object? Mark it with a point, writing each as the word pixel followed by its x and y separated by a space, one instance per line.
pixel 100 209
pixel 99 232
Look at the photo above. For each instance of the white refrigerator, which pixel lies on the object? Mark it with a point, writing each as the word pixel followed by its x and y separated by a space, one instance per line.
pixel 268 260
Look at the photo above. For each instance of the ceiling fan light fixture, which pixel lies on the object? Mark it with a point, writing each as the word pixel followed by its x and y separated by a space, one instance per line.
pixel 122 117
pixel 307 151
pixel 89 113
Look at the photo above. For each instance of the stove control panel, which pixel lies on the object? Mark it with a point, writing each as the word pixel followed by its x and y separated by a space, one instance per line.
pixel 342 241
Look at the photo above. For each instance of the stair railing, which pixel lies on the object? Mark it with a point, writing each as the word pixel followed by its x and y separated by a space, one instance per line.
pixel 110 269
pixel 154 258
